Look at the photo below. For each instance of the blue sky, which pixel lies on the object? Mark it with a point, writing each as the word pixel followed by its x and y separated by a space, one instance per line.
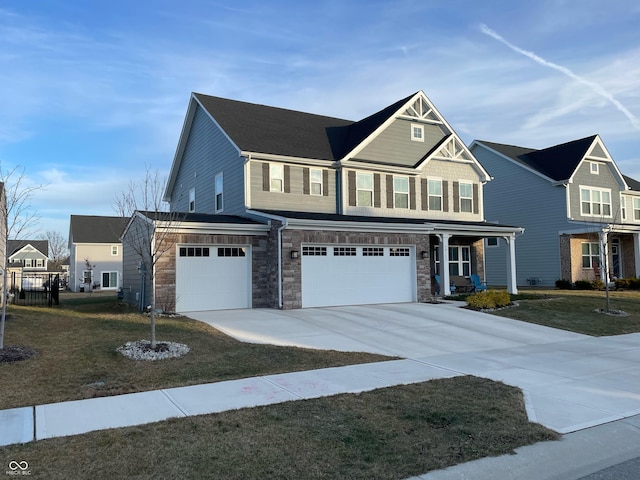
pixel 93 92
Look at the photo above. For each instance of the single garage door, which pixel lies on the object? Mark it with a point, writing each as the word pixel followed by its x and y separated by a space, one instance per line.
pixel 212 277
pixel 357 275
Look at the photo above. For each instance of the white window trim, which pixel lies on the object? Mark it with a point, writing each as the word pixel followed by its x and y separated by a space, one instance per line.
pixel 492 238
pixel 398 192
pixel 115 250
pixel 623 207
pixel 218 192
pixel 429 194
pixel 596 170
pixel 636 209
pixel 110 287
pixel 415 127
pixel 274 175
pixel 460 197
pixel 591 202
pixel 192 200
pixel 358 189
pixel 312 182
pixel 591 255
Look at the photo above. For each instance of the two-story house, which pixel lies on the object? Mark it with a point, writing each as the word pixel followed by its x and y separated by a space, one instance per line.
pixel 581 215
pixel 288 209
pixel 95 248
pixel 27 261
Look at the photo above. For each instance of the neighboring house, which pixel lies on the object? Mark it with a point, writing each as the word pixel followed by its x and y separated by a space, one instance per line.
pixel 95 252
pixel 575 205
pixel 287 209
pixel 27 261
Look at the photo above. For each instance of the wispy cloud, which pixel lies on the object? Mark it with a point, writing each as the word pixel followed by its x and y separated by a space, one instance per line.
pixel 596 87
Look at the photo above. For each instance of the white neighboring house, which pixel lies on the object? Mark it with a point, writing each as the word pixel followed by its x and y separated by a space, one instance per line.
pixel 95 252
pixel 27 259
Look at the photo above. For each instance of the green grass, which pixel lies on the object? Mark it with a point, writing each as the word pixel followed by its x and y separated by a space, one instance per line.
pixel 575 310
pixel 390 433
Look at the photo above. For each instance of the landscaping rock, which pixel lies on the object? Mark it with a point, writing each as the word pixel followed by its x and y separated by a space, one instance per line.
pixel 141 350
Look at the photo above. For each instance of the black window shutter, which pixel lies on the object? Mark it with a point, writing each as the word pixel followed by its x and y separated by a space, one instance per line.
pixel 389 191
pixel 376 190
pixel 351 177
pixel 305 181
pixel 287 179
pixel 325 183
pixel 475 198
pixel 412 193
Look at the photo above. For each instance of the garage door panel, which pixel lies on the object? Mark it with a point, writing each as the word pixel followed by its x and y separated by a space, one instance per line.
pixel 372 275
pixel 219 280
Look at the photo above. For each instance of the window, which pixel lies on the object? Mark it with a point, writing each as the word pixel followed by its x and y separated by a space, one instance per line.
pixel 114 250
pixel 434 188
pixel 39 263
pixel 315 251
pixel 219 185
pixel 466 197
pixel 636 208
pixel 232 252
pixel 492 242
pixel 315 181
pixel 276 177
pixel 623 208
pixel 417 133
pixel 192 200
pixel 590 255
pixel 459 260
pixel 27 262
pixel 594 168
pixel 364 187
pixel 401 192
pixel 344 251
pixel 194 251
pixel 373 252
pixel 109 279
pixel 399 252
pixel 86 276
pixel 595 202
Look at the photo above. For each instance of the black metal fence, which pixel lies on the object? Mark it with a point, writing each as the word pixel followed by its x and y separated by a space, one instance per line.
pixel 34 289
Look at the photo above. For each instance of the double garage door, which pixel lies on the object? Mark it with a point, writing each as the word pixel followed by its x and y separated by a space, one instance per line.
pixel 357 275
pixel 212 277
pixel 217 277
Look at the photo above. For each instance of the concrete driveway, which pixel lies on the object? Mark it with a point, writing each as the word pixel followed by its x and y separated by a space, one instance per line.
pixel 570 381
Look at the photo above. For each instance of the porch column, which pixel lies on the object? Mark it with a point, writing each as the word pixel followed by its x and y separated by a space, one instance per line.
pixel 636 252
pixel 512 284
pixel 444 264
pixel 603 238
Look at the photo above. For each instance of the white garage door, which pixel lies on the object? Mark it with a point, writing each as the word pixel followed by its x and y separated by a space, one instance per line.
pixel 357 275
pixel 212 277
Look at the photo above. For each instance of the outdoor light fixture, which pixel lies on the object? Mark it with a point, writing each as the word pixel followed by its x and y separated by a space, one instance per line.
pixel 425 254
pixel 295 254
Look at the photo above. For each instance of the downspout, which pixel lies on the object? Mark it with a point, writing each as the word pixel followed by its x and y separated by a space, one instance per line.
pixel 280 299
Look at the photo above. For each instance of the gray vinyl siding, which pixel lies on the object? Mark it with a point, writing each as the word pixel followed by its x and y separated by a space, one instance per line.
pixel 447 171
pixel 394 144
pixel 605 179
pixel 296 199
pixel 519 198
pixel 132 287
pixel 208 152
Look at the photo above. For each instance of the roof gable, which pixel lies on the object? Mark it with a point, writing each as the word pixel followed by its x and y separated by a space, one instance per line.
pixel 631 183
pixel 14 246
pixel 96 229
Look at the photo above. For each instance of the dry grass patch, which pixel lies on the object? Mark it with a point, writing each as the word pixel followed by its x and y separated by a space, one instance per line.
pixel 390 433
pixel 575 310
pixel 75 354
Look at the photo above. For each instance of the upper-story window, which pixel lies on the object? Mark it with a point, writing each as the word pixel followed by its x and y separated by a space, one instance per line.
pixel 315 181
pixel 595 202
pixel 219 185
pixel 276 177
pixel 364 187
pixel 466 197
pixel 594 168
pixel 417 132
pixel 192 200
pixel 434 187
pixel 636 208
pixel 401 192
pixel 114 250
pixel 623 208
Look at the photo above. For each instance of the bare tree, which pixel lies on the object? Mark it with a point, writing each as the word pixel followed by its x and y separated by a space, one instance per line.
pixel 58 247
pixel 150 233
pixel 19 221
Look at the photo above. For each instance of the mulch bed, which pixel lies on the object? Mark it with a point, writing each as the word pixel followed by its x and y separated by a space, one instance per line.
pixel 14 353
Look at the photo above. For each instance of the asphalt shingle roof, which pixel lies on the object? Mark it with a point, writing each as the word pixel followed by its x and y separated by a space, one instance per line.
pixel 633 184
pixel 14 245
pixel 97 229
pixel 557 162
pixel 273 130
